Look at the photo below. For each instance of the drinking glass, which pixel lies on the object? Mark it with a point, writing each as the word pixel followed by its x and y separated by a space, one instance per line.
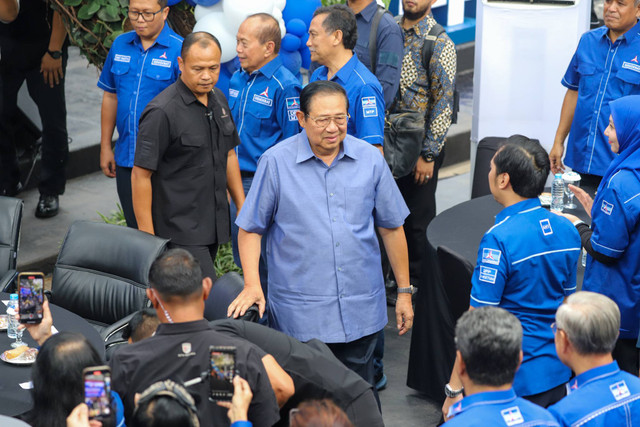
pixel 573 179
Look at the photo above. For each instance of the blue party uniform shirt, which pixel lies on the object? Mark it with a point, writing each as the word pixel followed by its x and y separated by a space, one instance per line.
pixel 389 49
pixel 498 408
pixel 366 102
pixel 600 71
pixel 527 264
pixel 325 276
pixel 603 396
pixel 615 234
pixel 136 76
pixel 264 105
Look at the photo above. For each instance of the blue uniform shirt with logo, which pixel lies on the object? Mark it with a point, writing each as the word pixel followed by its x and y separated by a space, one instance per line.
pixel 366 102
pixel 600 397
pixel 615 224
pixel 600 71
pixel 136 76
pixel 325 276
pixel 527 264
pixel 264 105
pixel 498 408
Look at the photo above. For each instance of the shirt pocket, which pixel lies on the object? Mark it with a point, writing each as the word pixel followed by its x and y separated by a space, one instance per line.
pixel 120 68
pixel 358 205
pixel 630 81
pixel 158 73
pixel 587 75
pixel 257 121
pixel 193 151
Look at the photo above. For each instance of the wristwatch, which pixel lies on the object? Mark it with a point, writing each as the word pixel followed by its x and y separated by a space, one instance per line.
pixel 427 157
pixel 407 290
pixel 451 392
pixel 55 54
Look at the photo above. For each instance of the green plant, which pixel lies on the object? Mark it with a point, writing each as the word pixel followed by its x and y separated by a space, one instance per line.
pixel 114 217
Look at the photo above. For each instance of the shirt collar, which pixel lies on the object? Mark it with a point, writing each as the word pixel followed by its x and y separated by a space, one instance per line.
pixel 270 67
pixel 305 153
pixel 164 38
pixel 187 96
pixel 629 35
pixel 520 207
pixel 592 375
pixel 182 327
pixel 423 26
pixel 369 11
pixel 480 399
pixel 347 69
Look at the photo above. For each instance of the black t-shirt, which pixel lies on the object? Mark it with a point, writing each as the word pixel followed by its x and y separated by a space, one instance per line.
pixel 32 24
pixel 186 145
pixel 180 352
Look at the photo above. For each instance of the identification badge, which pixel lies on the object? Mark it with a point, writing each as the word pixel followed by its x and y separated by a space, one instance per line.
pixel 488 274
pixel 122 58
pixel 161 63
pixel 369 106
pixel 233 93
pixel 546 227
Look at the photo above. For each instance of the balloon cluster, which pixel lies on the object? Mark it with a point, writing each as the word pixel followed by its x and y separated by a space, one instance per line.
pixel 297 16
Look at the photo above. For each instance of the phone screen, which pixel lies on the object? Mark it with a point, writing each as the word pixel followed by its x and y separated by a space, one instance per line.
pixel 31 297
pixel 223 369
pixel 97 391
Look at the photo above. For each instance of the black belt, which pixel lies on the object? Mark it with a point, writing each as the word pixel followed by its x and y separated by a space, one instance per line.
pixel 247 174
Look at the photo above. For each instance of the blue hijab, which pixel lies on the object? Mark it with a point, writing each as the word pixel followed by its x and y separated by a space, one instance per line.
pixel 626 119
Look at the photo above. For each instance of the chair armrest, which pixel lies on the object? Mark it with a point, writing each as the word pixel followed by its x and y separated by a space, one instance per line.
pixel 115 328
pixel 251 315
pixel 7 282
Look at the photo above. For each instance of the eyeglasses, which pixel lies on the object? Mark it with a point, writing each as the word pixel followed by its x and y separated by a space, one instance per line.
pixel 323 121
pixel 555 328
pixel 146 16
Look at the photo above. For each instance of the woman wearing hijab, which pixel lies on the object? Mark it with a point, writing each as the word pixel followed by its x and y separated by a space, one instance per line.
pixel 613 240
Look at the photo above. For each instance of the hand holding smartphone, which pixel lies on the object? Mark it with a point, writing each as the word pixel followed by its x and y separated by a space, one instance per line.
pixel 97 391
pixel 222 371
pixel 30 297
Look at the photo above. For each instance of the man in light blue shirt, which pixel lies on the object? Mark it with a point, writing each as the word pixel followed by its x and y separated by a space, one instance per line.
pixel 317 198
pixel 489 350
pixel 332 37
pixel 586 330
pixel 140 65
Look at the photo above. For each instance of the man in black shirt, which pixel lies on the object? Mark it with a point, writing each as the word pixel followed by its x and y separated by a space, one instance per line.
pixel 185 158
pixel 316 372
pixel 179 350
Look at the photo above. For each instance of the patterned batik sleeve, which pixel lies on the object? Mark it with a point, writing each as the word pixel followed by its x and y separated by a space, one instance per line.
pixel 443 66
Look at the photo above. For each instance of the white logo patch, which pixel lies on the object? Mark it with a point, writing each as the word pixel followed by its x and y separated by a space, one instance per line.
pixel 292 115
pixel 186 350
pixel 161 63
pixel 491 256
pixel 512 416
pixel 233 93
pixel 546 227
pixel 488 274
pixel 369 106
pixel 122 58
pixel 631 66
pixel 606 207
pixel 620 390
pixel 262 100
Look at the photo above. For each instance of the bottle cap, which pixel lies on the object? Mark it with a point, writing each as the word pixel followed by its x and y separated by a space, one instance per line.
pixel 559 175
pixel 13 297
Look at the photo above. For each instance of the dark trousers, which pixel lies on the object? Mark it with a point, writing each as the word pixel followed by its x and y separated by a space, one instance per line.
pixel 357 355
pixel 549 397
pixel 20 62
pixel 627 355
pixel 123 185
pixel 206 256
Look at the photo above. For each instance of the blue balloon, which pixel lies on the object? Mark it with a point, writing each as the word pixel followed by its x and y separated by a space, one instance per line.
pixel 191 3
pixel 205 2
pixel 301 9
pixel 291 60
pixel 306 57
pixel 173 2
pixel 297 27
pixel 232 66
pixel 290 43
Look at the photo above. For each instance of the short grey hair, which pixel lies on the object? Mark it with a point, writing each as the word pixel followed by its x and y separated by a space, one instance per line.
pixel 591 322
pixel 489 340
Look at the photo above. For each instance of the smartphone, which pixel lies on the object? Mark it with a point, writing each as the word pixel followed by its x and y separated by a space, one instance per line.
pixel 30 297
pixel 97 391
pixel 223 369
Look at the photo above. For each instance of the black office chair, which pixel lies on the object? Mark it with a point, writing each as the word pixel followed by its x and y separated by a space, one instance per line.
pixel 102 271
pixel 456 278
pixel 487 147
pixel 10 223
pixel 223 292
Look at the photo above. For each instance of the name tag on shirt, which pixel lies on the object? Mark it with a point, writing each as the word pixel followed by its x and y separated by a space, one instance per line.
pixel 619 390
pixel 546 227
pixel 122 58
pixel 233 93
pixel 491 256
pixel 606 207
pixel 161 63
pixel 262 100
pixel 631 66
pixel 512 416
pixel 369 106
pixel 488 274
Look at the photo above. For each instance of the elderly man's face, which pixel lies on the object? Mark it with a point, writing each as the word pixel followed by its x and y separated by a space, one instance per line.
pixel 320 42
pixel 326 123
pixel 620 15
pixel 200 68
pixel 251 53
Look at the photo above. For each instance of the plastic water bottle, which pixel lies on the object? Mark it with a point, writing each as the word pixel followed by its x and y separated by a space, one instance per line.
pixel 12 324
pixel 557 193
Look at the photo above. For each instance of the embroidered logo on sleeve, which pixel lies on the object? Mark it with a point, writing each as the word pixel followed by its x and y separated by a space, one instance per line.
pixel 619 390
pixel 491 256
pixel 292 115
pixel 606 207
pixel 161 63
pixel 122 58
pixel 546 227
pixel 488 274
pixel 369 106
pixel 293 103
pixel 233 93
pixel 512 416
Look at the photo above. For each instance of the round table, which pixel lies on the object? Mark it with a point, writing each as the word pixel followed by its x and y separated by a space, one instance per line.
pixel 15 400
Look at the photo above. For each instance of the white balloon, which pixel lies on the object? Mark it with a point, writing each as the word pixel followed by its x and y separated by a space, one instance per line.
pixel 213 23
pixel 280 4
pixel 236 11
pixel 277 13
pixel 283 28
pixel 201 11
